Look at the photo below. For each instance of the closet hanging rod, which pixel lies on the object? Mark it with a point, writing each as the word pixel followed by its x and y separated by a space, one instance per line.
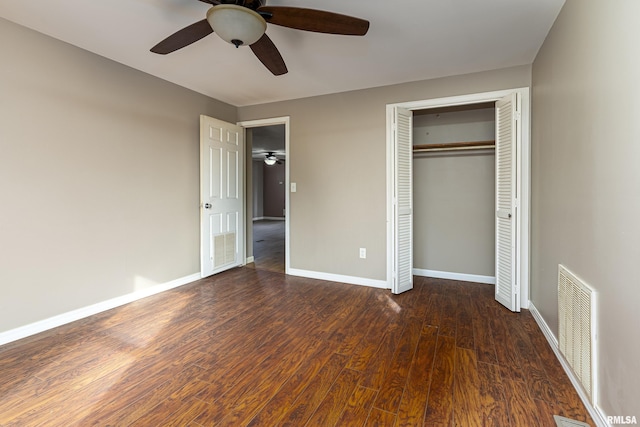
pixel 427 150
pixel 476 145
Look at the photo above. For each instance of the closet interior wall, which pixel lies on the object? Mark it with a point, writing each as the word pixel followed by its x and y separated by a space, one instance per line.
pixel 454 194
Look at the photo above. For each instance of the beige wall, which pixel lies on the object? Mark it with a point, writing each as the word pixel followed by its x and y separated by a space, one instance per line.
pixel 98 178
pixel 337 159
pixel 454 194
pixel 586 184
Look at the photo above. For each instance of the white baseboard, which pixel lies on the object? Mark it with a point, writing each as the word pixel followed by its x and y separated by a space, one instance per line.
pixel 71 316
pixel 270 218
pixel 339 278
pixel 595 411
pixel 249 260
pixel 490 280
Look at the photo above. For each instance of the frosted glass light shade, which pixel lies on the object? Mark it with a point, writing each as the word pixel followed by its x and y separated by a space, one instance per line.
pixel 237 25
pixel 270 161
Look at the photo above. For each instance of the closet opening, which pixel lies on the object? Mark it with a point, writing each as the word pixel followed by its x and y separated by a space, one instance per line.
pixel 454 192
pixel 464 212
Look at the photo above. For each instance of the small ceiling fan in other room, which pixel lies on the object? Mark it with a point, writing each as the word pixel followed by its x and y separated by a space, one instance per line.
pixel 270 159
pixel 244 22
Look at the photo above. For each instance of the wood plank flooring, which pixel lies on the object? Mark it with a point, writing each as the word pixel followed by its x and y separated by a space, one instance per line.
pixel 254 347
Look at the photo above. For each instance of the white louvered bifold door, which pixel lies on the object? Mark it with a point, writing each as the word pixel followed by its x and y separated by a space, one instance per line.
pixel 403 206
pixel 506 143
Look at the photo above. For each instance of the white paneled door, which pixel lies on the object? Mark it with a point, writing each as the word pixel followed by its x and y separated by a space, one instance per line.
pixel 403 201
pixel 221 196
pixel 507 134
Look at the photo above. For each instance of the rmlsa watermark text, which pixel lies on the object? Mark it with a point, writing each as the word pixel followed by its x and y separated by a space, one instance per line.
pixel 621 419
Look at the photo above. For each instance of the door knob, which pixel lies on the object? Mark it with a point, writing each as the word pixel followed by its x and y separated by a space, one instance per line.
pixel 207 205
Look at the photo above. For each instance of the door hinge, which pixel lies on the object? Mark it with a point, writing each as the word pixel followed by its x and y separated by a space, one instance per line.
pixel 518 115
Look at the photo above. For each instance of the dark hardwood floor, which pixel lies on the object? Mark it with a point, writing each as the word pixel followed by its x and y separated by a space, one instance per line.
pixel 253 347
pixel 268 245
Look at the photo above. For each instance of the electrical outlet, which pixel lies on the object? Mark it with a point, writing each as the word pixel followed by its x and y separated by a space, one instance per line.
pixel 363 252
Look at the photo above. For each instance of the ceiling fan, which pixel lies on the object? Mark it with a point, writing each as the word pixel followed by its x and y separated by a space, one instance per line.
pixel 270 159
pixel 244 22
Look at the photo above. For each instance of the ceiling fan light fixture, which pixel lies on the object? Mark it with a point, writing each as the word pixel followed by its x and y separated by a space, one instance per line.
pixel 270 159
pixel 235 24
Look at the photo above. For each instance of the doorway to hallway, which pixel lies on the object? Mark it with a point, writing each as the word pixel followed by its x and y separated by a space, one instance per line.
pixel 267 198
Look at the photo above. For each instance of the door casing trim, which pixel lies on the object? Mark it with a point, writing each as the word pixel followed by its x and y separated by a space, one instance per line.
pixel 285 120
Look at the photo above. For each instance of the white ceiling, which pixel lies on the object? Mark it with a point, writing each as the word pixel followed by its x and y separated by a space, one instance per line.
pixel 408 40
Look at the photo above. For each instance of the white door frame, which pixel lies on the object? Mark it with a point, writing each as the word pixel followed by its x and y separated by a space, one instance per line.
pixel 287 218
pixel 524 175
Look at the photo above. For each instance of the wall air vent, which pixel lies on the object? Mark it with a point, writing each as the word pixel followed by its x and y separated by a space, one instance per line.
pixel 577 328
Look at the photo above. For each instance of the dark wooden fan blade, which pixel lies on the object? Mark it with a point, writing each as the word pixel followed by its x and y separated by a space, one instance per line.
pixel 268 54
pixel 213 2
pixel 184 37
pixel 314 20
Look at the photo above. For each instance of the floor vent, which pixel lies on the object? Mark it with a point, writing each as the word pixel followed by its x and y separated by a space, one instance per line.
pixel 567 422
pixel 577 328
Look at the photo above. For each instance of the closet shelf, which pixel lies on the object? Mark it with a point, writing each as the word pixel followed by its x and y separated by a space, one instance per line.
pixel 450 146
